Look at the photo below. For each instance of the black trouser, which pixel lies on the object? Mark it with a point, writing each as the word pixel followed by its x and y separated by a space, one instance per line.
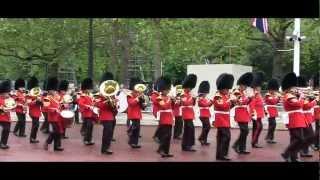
pixel 83 126
pixel 45 124
pixel 178 125
pixel 165 132
pixel 21 124
pixel 128 123
pixel 223 141
pixel 188 137
pixel 317 134
pixel 88 129
pixel 34 128
pixel 76 116
pixel 256 130
pixel 309 138
pixel 114 123
pixel 157 133
pixel 205 129
pixel 271 128
pixel 134 132
pixel 242 139
pixel 54 135
pixel 297 142
pixel 5 132
pixel 107 135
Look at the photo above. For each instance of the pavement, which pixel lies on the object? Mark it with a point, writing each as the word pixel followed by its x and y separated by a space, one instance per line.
pixel 21 150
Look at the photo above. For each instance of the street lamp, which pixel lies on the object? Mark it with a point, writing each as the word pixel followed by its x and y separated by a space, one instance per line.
pixel 230 47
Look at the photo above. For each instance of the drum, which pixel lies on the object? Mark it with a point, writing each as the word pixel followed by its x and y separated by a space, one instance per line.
pixel 122 102
pixel 95 110
pixel 68 118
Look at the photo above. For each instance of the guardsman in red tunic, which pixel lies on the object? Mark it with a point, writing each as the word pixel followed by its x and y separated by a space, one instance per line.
pixel 21 110
pixel 257 109
pixel 63 88
pixel 45 125
pixel 86 106
pixel 107 105
pixel 204 105
pixel 222 105
pixel 153 98
pixel 271 99
pixel 165 116
pixel 187 104
pixel 316 87
pixel 178 122
pixel 307 108
pixel 296 123
pixel 5 119
pixel 136 103
pixel 52 105
pixel 242 115
pixel 34 103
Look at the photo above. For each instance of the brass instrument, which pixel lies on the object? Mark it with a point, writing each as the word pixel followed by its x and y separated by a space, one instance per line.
pixel 140 88
pixel 179 89
pixel 35 92
pixel 249 92
pixel 9 104
pixel 108 89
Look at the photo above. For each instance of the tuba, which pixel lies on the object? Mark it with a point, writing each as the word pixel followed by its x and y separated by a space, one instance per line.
pixel 108 89
pixel 140 88
pixel 9 104
pixel 35 92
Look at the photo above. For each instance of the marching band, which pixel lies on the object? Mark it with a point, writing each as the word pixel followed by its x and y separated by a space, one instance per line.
pixel 173 106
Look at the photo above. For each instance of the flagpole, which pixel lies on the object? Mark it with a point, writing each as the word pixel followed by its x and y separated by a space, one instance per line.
pixel 296 57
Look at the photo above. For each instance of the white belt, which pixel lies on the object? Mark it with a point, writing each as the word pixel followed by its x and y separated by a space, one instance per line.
pixel 308 111
pixel 316 107
pixel 270 106
pixel 221 112
pixel 160 111
pixel 204 107
pixel 180 109
pixel 242 106
pixel 294 111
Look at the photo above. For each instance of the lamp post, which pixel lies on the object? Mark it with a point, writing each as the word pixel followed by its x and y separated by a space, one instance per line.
pixel 230 47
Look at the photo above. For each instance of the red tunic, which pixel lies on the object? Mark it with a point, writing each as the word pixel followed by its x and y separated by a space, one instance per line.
pixel 85 103
pixel 187 103
pixel 256 106
pixel 20 98
pixel 42 108
pixel 155 107
pixel 317 113
pixel 4 116
pixel 34 107
pixel 222 110
pixel 134 109
pixel 271 102
pixel 293 107
pixel 165 111
pixel 106 113
pixel 204 106
pixel 308 110
pixel 53 108
pixel 242 110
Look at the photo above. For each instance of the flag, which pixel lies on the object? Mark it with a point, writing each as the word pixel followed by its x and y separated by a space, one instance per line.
pixel 261 24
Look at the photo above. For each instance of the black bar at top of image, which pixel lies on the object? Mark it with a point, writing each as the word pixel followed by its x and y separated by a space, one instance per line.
pixel 165 9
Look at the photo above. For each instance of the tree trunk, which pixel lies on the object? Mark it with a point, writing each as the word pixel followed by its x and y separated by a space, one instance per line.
pixel 126 56
pixel 90 49
pixel 114 55
pixel 53 69
pixel 157 50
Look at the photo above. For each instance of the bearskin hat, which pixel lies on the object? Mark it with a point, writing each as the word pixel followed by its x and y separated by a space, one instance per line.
pixel 316 80
pixel 52 84
pixel 273 85
pixel 63 85
pixel 134 81
pixel 288 81
pixel 32 82
pixel 87 83
pixel 190 81
pixel 302 81
pixel 164 83
pixel 19 83
pixel 225 81
pixel 245 79
pixel 106 76
pixel 155 84
pixel 204 87
pixel 258 78
pixel 5 86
